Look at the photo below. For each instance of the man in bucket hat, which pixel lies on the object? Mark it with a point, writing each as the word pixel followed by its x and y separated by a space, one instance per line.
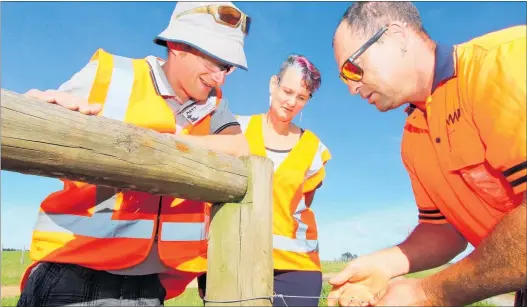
pixel 97 246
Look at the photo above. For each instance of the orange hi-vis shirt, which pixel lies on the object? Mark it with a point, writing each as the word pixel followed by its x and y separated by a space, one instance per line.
pixel 466 155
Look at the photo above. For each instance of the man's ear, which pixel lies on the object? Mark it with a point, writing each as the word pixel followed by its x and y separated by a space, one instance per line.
pixel 398 31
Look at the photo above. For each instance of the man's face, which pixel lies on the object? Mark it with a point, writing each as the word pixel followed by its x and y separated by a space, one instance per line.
pixel 199 73
pixel 383 64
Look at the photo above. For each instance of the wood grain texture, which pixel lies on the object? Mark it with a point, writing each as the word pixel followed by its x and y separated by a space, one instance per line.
pixel 44 139
pixel 240 263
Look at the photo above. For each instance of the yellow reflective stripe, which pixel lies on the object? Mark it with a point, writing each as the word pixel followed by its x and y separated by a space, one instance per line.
pixel 102 78
pixel 294 245
pixel 312 182
pixel 302 155
pixel 254 134
pixel 326 155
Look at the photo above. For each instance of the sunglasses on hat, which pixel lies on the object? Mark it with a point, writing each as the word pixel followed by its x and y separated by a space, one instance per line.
pixel 349 71
pixel 223 14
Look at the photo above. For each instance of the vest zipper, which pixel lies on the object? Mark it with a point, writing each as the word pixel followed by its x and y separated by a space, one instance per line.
pixel 158 215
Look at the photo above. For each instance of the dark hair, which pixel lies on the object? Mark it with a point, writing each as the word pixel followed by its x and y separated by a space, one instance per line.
pixel 366 18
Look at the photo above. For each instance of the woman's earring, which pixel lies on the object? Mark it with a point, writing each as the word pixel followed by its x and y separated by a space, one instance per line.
pixel 270 99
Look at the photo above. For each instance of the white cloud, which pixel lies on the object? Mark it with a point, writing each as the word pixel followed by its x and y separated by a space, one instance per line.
pixel 368 232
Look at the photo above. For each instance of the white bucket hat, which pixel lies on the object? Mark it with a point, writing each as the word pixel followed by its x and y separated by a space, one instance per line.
pixel 201 31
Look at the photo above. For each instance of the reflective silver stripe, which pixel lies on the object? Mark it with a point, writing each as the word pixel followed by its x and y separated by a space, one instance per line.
pixel 120 88
pixel 317 163
pixel 100 225
pixel 172 231
pixel 302 227
pixel 300 244
pixel 294 245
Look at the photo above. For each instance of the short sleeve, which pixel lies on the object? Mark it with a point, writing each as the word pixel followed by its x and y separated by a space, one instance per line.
pixel 81 82
pixel 243 120
pixel 498 97
pixel 428 211
pixel 222 118
pixel 317 170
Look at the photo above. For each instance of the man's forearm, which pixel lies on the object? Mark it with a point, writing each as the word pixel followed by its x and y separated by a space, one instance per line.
pixel 495 267
pixel 427 247
pixel 430 246
pixel 234 145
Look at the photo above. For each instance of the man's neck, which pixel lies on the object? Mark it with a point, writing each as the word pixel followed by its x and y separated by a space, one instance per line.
pixel 180 95
pixel 425 66
pixel 280 127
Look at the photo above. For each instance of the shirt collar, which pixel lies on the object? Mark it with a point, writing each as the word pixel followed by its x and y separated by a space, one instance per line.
pixel 161 83
pixel 444 69
pixel 416 117
pixel 444 64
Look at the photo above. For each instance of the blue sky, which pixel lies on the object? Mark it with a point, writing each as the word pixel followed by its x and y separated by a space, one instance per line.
pixel 366 202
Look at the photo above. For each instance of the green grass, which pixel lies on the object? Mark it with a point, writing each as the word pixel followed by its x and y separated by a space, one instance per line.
pixel 191 298
pixel 333 266
pixel 9 301
pixel 12 270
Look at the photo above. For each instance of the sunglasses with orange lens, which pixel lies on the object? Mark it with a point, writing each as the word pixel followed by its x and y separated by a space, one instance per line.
pixel 349 71
pixel 223 14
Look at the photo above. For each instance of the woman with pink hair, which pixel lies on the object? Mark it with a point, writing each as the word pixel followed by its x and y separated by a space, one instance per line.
pixel 299 159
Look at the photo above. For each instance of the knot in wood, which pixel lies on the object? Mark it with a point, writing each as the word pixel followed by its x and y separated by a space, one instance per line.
pixel 126 142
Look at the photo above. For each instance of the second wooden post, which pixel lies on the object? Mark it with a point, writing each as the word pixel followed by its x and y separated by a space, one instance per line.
pixel 240 263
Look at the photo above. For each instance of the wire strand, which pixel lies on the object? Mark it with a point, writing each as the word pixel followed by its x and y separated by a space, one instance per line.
pixel 282 296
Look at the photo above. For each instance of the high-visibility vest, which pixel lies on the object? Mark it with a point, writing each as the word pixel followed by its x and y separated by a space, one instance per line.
pixel 295 235
pixel 93 227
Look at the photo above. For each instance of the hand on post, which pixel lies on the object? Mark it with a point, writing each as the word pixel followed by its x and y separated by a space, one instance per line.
pixel 66 100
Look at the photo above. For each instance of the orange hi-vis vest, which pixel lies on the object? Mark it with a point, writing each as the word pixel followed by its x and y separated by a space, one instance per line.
pixel 99 228
pixel 295 235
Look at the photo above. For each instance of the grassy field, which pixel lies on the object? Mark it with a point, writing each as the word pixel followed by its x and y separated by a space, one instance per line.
pixel 13 268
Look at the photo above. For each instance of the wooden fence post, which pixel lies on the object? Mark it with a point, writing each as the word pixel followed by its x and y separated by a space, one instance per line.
pixel 240 263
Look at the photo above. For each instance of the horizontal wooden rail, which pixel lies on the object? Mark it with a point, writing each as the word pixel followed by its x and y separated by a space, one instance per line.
pixel 44 139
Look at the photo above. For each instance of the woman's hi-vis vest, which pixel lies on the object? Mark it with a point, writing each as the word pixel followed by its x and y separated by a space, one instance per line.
pixel 295 235
pixel 97 228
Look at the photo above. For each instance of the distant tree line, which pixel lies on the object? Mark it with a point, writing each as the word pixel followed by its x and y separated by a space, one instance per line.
pixel 9 249
pixel 347 256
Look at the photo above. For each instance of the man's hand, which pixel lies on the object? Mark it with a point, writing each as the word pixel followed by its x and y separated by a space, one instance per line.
pixel 361 280
pixel 66 100
pixel 402 292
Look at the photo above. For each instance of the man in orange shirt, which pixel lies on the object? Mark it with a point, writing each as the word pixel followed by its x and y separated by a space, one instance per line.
pixel 464 147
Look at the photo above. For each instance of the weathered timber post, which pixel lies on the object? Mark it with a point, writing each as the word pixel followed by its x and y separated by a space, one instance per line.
pixel 44 139
pixel 47 140
pixel 240 264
